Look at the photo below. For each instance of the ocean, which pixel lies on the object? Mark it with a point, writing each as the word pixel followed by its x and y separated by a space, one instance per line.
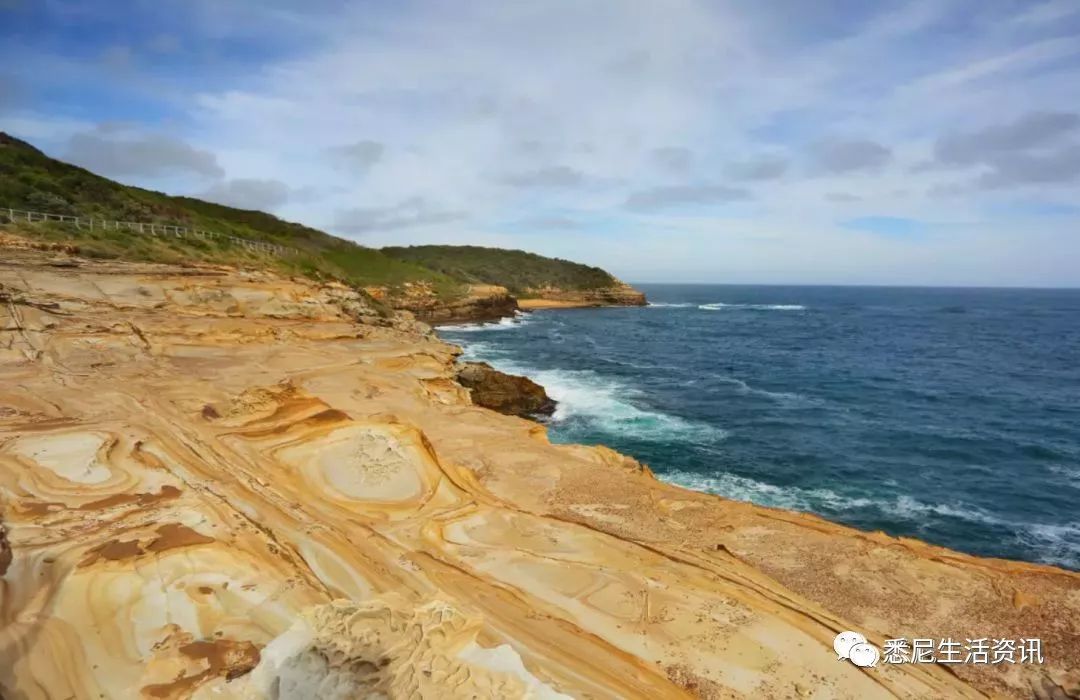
pixel 950 415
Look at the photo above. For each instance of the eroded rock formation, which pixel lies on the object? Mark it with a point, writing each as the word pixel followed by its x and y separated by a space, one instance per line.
pixel 480 302
pixel 506 393
pixel 552 297
pixel 215 483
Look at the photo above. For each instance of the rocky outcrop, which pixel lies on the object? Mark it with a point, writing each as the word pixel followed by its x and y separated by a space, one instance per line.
pixel 506 393
pixel 479 302
pixel 553 297
pixel 219 483
pixel 388 647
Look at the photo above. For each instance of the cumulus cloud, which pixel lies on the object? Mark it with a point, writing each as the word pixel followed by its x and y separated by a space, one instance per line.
pixel 553 176
pixel 763 168
pixel 851 156
pixel 361 154
pixel 684 195
pixel 637 116
pixel 1036 148
pixel 1032 130
pixel 117 151
pixel 409 213
pixel 1056 166
pixel 249 193
pixel 673 158
pixel 563 223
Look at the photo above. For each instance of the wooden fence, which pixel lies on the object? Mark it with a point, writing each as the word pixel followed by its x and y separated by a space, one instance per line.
pixel 152 229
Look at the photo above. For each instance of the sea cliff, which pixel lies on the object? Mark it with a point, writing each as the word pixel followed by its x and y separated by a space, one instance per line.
pixel 222 483
pixel 618 294
pixel 489 302
pixel 477 302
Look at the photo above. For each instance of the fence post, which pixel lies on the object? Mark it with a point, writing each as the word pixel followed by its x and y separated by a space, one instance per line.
pixel 178 231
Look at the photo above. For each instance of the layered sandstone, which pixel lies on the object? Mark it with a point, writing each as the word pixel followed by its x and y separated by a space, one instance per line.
pixel 478 302
pixel 620 294
pixel 223 484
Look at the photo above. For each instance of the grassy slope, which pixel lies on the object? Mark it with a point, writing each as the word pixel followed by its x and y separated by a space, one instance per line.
pixel 31 180
pixel 514 269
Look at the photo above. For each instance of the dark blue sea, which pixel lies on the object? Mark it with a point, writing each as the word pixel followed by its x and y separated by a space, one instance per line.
pixel 951 415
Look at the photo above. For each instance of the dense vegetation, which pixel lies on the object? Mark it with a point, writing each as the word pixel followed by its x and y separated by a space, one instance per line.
pixel 516 270
pixel 33 181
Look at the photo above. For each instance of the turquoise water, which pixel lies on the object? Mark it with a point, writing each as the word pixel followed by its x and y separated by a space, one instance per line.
pixel 952 415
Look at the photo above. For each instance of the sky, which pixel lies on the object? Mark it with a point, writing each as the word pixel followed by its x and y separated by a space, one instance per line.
pixel 826 142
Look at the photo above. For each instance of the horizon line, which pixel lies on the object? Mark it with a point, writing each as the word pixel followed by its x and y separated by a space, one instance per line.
pixel 861 285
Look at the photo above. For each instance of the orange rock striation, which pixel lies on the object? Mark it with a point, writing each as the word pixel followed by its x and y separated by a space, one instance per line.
pixel 621 294
pixel 223 484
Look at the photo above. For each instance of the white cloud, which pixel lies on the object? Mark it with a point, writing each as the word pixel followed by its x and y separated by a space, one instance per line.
pixel 734 132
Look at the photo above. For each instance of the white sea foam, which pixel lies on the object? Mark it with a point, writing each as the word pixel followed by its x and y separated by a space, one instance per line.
pixel 908 508
pixel 796 498
pixel 784 397
pixel 1050 544
pixel 602 403
pixel 741 488
pixel 719 306
pixel 503 324
pixel 1071 475
pixel 666 305
pixel 1056 544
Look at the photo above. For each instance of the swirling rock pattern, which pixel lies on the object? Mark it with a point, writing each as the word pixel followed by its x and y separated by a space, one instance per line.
pixel 218 483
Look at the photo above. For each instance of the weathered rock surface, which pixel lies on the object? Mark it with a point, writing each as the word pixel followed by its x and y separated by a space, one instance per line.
pixel 217 483
pixel 505 393
pixel 551 297
pixel 481 302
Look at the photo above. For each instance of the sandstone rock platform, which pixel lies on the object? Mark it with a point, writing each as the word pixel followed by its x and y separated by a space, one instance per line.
pixel 215 483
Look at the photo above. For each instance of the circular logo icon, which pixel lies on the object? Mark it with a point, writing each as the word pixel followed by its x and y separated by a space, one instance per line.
pixel 844 641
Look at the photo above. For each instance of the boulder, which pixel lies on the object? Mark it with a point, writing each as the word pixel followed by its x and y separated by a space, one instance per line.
pixel 505 393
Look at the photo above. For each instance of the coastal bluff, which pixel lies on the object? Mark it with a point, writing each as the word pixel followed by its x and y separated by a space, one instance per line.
pixel 535 281
pixel 219 483
pixel 618 294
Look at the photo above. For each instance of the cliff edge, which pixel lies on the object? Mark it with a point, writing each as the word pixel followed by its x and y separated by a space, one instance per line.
pixel 229 484
pixel 534 280
pixel 618 294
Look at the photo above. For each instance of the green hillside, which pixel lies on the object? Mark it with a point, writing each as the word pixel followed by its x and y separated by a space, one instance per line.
pixel 516 270
pixel 31 180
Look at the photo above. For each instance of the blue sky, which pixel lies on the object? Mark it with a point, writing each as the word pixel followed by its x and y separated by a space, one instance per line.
pixel 837 141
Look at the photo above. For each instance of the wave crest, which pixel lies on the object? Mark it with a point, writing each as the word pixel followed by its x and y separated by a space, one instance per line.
pixel 503 324
pixel 720 306
pixel 1051 544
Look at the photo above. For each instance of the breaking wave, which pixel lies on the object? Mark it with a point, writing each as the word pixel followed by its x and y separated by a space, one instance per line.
pixel 1055 544
pixel 667 386
pixel 719 306
pixel 503 324
pixel 589 402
